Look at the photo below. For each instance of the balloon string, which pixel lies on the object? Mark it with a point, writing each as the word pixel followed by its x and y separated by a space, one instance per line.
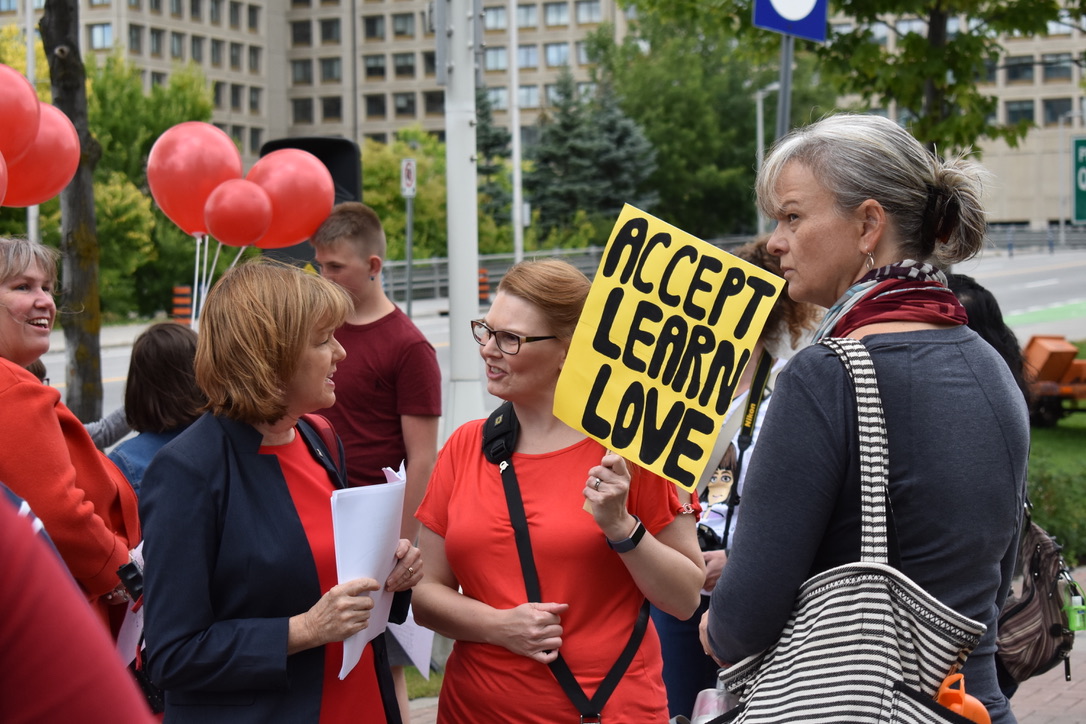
pixel 204 278
pixel 236 258
pixel 196 287
pixel 215 261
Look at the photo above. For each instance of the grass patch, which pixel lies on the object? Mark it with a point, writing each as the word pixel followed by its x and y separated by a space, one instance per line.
pixel 420 688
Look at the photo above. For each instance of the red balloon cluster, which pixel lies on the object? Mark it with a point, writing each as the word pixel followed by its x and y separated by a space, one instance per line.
pixel 194 171
pixel 39 146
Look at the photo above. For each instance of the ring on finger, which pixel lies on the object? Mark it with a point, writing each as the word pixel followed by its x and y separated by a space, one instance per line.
pixel 596 487
pixel 411 570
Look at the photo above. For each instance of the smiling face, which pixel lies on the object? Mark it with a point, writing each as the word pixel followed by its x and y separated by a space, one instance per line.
pixel 311 387
pixel 822 250
pixel 27 311
pixel 531 373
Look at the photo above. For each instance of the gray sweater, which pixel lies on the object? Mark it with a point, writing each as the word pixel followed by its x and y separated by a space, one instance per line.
pixel 958 435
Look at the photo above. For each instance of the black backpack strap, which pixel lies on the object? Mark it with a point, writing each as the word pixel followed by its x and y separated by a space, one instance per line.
pixel 325 444
pixel 499 441
pixel 746 433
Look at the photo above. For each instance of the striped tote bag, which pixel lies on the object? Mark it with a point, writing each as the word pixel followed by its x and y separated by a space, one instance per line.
pixel 864 643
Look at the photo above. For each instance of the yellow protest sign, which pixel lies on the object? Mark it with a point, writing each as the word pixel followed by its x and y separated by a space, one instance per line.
pixel 669 325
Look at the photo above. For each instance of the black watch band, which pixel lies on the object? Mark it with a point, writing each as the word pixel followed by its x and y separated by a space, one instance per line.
pixel 628 544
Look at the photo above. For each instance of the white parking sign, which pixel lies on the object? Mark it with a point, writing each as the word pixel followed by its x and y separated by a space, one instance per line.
pixel 407 178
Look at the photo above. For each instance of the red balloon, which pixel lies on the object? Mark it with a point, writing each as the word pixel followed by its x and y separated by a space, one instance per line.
pixel 3 178
pixel 302 194
pixel 48 165
pixel 238 212
pixel 19 114
pixel 186 164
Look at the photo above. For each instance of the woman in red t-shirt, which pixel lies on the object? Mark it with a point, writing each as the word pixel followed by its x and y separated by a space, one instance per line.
pixel 595 568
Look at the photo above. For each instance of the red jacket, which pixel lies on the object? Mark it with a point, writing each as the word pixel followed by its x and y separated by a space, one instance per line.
pixel 47 458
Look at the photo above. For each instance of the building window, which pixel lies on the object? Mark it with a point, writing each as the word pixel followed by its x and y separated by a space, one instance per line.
pixel 218 93
pixel 196 9
pixel 177 46
pixel 254 58
pixel 216 52
pixel 494 18
pixel 235 15
pixel 1019 111
pixel 374 26
pixel 499 98
pixel 404 104
pixel 135 39
pixel 429 62
pixel 134 4
pixel 375 66
pixel 550 94
pixel 403 25
pixel 175 8
pixel 378 137
pixel 237 95
pixel 404 63
pixel 331 108
pixel 101 36
pixel 159 79
pixel 1054 109
pixel 196 49
pixel 158 38
pixel 1057 67
pixel 557 54
pixel 256 140
pixel 4 5
pixel 215 11
pixel 376 106
pixel 235 55
pixel 255 97
pixel 528 96
pixel 302 109
pixel 1019 68
pixel 301 72
pixel 154 6
pixel 301 33
pixel 330 31
pixel 434 102
pixel 494 58
pixel 254 17
pixel 300 3
pixel 556 13
pixel 588 11
pixel 237 133
pixel 586 90
pixel 527 16
pixel 528 56
pixel 582 52
pixel 1062 25
pixel 331 70
pixel 905 26
pixel 987 74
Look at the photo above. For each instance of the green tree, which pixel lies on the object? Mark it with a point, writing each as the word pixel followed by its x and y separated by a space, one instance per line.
pixel 627 158
pixel 693 94
pixel 381 191
pixel 492 143
pixel 930 75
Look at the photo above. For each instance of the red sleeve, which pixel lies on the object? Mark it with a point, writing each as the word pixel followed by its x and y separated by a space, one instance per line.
pixel 58 661
pixel 433 512
pixel 50 461
pixel 418 383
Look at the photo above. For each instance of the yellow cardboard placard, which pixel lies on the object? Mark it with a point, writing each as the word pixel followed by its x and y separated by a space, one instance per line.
pixel 668 328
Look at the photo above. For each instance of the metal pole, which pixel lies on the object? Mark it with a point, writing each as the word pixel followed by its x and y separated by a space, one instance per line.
pixel 514 128
pixel 784 101
pixel 1067 170
pixel 465 387
pixel 409 234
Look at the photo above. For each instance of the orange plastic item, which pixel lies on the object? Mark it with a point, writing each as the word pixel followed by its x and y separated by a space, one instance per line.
pixel 961 703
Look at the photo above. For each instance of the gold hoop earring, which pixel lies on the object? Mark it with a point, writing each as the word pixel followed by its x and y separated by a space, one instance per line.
pixel 870 261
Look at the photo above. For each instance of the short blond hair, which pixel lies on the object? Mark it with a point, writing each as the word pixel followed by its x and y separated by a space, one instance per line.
pixel 17 254
pixel 556 287
pixel 254 325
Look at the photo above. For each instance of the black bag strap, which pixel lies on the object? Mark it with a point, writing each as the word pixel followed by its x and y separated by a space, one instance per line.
pixel 746 433
pixel 499 440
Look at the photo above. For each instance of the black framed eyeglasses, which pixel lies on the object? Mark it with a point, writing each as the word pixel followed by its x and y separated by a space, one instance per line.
pixel 508 342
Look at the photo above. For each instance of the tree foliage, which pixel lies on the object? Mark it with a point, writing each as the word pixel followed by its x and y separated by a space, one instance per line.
pixel 692 92
pixel 591 159
pixel 930 75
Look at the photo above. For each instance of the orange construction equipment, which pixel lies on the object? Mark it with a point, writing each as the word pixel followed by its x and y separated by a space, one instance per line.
pixel 182 304
pixel 484 287
pixel 1057 379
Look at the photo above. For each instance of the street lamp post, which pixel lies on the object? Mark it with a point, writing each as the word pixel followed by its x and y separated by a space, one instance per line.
pixel 1067 170
pixel 759 101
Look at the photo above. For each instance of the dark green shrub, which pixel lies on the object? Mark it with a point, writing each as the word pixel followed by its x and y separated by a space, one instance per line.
pixel 1058 495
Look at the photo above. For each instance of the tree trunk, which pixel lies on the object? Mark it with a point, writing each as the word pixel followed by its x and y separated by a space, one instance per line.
pixel 80 305
pixel 934 97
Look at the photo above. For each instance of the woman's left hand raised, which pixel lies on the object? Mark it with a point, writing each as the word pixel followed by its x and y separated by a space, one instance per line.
pixel 607 488
pixel 408 570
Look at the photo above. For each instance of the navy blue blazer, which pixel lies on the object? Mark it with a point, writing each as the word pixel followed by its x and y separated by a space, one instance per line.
pixel 227 565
